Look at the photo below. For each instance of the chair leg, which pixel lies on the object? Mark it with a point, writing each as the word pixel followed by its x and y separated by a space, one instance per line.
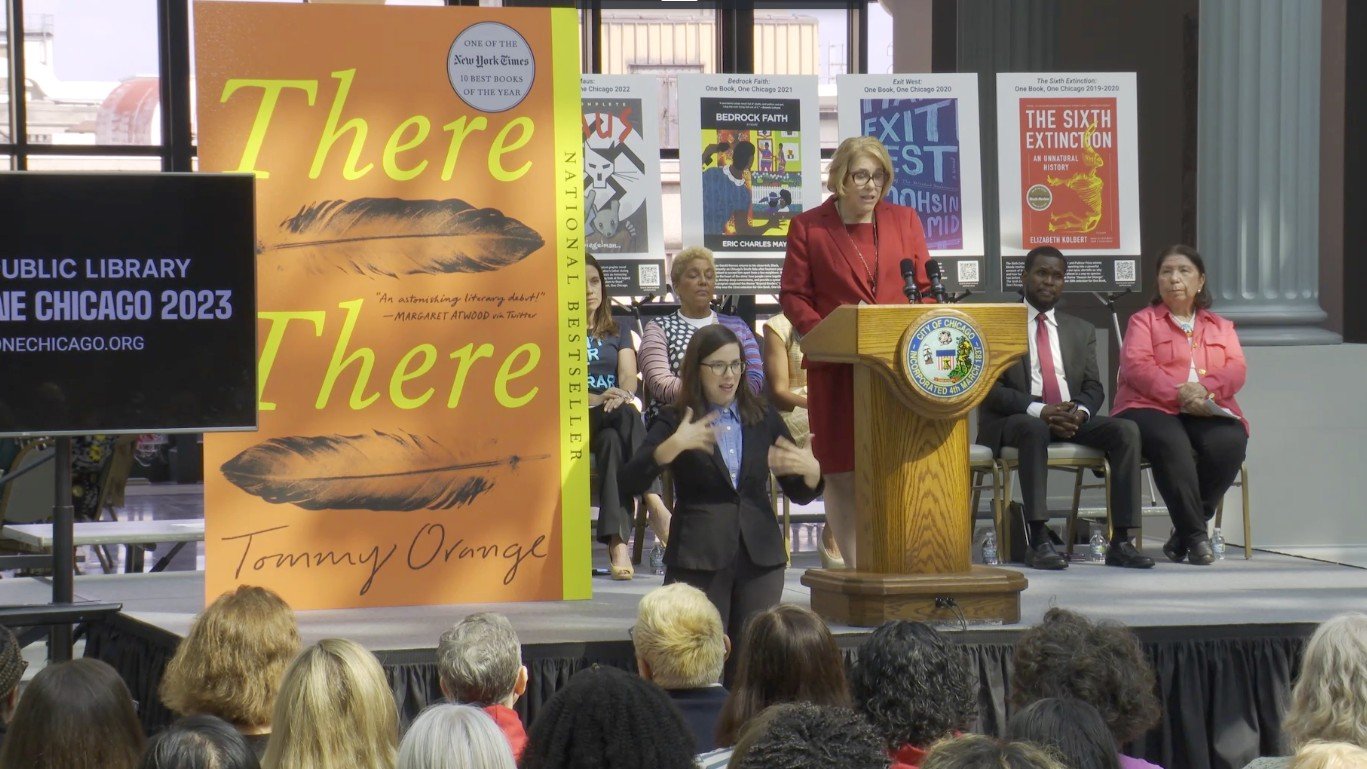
pixel 999 514
pixel 1077 502
pixel 639 539
pixel 1110 519
pixel 1248 522
pixel 787 528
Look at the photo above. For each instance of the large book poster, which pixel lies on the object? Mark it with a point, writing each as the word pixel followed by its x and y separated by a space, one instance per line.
pixel 420 303
pixel 929 123
pixel 1068 151
pixel 622 200
pixel 749 161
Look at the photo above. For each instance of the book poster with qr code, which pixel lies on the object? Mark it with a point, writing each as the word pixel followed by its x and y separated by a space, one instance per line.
pixel 750 160
pixel 929 124
pixel 1068 159
pixel 623 225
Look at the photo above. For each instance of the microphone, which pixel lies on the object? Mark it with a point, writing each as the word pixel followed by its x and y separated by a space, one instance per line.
pixel 909 281
pixel 937 288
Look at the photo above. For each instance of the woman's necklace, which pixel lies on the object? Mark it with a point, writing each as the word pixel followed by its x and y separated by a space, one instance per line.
pixel 1188 326
pixel 872 273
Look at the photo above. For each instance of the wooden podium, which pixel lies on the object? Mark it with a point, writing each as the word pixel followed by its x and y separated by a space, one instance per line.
pixel 918 372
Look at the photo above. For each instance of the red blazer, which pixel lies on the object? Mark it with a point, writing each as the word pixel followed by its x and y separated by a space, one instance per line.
pixel 1155 360
pixel 822 271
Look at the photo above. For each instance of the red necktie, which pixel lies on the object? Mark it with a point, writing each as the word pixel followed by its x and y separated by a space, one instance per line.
pixel 1046 361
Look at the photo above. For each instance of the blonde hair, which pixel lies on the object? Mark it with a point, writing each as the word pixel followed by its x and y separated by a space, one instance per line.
pixel 447 736
pixel 231 662
pixel 1329 700
pixel 1317 754
pixel 679 634
pixel 686 257
pixel 851 150
pixel 335 711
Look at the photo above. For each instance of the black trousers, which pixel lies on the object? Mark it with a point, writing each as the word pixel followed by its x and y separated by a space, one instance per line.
pixel 613 437
pixel 740 591
pixel 1195 459
pixel 1119 439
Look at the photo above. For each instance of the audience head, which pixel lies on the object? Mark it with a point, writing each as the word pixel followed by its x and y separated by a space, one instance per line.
pixel 74 715
pixel 231 662
pixel 199 742
pixel 1329 700
pixel 1102 664
pixel 479 661
pixel 787 655
pixel 448 736
pixel 800 735
pixel 335 710
pixel 1071 728
pixel 975 751
pixel 678 638
pixel 605 712
pixel 912 684
pixel 1329 755
pixel 12 666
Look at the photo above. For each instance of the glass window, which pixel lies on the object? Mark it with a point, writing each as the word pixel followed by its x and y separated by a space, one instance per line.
pixel 92 163
pixel 91 72
pixel 662 43
pixel 6 135
pixel 806 41
pixel 880 39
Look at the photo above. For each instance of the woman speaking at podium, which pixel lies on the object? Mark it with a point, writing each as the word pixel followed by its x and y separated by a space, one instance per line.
pixel 848 250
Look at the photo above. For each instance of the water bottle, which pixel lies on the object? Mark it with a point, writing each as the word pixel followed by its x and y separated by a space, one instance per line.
pixel 657 559
pixel 1217 545
pixel 1096 547
pixel 990 549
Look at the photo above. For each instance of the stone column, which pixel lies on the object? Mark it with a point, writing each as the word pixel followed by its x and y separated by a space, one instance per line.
pixel 1257 173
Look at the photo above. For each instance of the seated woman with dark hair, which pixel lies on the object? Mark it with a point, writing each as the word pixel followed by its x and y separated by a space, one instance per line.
pixel 199 742
pixel 914 686
pixel 74 715
pixel 1071 728
pixel 1102 664
pixel 787 655
pixel 231 662
pixel 605 717
pixel 1180 366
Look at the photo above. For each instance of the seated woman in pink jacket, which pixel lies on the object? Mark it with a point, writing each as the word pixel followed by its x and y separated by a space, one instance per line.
pixel 1180 366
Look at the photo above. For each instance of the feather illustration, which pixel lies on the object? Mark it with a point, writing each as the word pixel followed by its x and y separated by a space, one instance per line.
pixel 393 237
pixel 376 471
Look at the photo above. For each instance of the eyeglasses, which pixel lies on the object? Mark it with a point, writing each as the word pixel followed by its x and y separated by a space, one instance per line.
pixel 722 369
pixel 862 177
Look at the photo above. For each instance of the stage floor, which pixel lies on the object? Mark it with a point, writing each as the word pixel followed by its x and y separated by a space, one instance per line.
pixel 1270 589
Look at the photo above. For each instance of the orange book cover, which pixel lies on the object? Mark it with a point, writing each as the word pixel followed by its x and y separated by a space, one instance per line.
pixel 419 280
pixel 1069 188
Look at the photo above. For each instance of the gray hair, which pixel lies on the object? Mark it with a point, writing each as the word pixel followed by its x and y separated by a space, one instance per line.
pixel 478 659
pixel 1329 700
pixel 447 736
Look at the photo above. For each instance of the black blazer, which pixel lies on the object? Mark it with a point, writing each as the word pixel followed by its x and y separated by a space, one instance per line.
pixel 712 518
pixel 1011 393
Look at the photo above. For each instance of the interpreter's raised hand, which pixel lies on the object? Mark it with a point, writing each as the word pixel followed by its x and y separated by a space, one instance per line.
pixel 696 434
pixel 789 458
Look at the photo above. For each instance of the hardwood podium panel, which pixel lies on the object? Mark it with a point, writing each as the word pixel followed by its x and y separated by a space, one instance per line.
pixel 918 372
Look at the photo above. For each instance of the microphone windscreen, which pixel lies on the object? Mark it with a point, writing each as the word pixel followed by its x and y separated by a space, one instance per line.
pixel 932 269
pixel 908 267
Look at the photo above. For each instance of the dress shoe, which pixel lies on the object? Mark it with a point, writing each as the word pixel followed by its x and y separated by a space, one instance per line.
pixel 830 551
pixel 1175 548
pixel 1199 552
pixel 1044 556
pixel 621 573
pixel 1123 553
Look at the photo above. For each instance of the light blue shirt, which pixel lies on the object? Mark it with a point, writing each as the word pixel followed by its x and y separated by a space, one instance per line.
pixel 728 432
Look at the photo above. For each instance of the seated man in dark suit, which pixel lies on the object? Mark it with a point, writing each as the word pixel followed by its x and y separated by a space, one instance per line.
pixel 680 647
pixel 1053 395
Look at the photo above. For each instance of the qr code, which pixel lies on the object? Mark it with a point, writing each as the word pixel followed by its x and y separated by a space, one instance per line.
pixel 968 272
pixel 648 276
pixel 1124 271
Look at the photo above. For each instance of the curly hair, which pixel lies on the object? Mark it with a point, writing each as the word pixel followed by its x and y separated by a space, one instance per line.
pixel 479 659
pixel 1102 664
pixel 1072 728
pixel 1329 700
pixel 800 735
pixel 912 684
pixel 973 751
pixel 231 662
pixel 1317 754
pixel 787 654
pixel 605 717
